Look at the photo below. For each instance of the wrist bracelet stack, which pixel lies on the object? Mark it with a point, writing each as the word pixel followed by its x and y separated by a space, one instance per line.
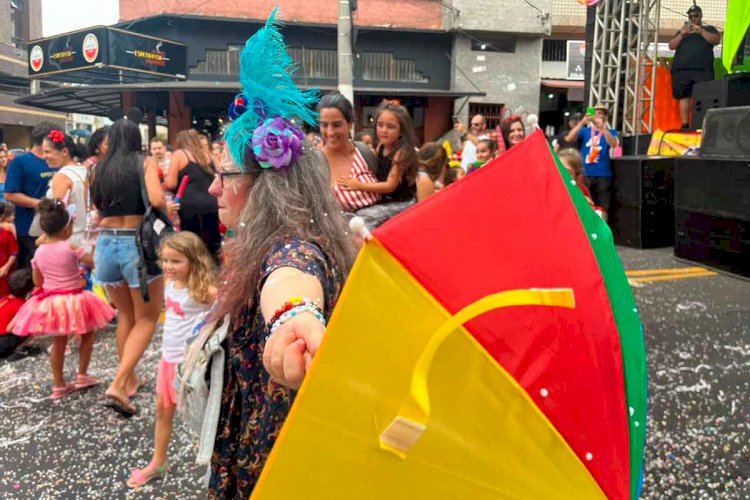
pixel 292 308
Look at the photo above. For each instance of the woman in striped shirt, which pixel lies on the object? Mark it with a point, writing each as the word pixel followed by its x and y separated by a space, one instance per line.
pixel 345 158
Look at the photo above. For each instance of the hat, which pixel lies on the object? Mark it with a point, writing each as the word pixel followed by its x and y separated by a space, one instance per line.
pixel 694 8
pixel 603 106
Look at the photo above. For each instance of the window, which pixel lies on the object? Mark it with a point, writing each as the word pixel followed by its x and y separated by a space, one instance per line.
pixel 494 43
pixel 18 24
pixel 315 63
pixel 554 50
pixel 384 67
pixel 493 113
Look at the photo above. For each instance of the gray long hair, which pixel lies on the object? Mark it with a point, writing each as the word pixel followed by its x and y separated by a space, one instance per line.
pixel 294 203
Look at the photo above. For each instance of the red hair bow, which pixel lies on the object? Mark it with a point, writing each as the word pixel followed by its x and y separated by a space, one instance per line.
pixel 513 118
pixel 57 136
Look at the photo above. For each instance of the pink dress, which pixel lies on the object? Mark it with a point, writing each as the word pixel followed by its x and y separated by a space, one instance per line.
pixel 61 306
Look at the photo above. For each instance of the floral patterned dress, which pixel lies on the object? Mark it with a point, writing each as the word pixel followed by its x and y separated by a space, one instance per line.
pixel 253 406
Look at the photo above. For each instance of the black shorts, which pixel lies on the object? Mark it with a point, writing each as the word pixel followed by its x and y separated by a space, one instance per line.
pixel 601 191
pixel 684 79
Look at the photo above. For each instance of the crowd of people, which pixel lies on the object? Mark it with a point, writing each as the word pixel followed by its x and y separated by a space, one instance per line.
pixel 262 237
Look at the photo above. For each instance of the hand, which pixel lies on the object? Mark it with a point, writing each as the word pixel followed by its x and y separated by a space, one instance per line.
pixel 694 28
pixel 289 351
pixel 685 29
pixel 348 183
pixel 172 208
pixel 42 240
pixel 585 120
pixel 4 271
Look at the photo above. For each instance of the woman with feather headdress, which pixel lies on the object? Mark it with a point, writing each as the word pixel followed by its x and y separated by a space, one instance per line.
pixel 285 266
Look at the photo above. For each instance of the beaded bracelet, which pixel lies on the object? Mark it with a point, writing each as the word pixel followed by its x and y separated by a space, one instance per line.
pixel 293 303
pixel 293 312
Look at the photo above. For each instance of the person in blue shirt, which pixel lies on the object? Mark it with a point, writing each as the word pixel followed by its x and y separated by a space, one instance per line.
pixel 597 141
pixel 25 184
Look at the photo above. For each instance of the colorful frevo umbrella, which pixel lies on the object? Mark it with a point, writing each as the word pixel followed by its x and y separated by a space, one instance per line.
pixel 486 345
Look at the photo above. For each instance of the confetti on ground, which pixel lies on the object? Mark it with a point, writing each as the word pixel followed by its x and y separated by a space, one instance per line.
pixel 77 448
pixel 698 441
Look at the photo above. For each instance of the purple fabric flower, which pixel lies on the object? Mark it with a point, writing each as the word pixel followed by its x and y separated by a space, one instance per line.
pixel 277 143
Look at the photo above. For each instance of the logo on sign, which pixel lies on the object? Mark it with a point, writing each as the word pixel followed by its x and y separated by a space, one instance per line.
pixel 36 58
pixel 90 48
pixel 154 57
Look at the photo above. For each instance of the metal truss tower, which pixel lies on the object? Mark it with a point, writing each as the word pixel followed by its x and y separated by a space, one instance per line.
pixel 623 69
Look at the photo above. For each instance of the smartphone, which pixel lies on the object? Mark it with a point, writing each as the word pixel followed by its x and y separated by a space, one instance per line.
pixel 591 111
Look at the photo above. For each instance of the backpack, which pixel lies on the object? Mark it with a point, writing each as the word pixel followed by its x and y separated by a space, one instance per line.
pixel 199 383
pixel 149 234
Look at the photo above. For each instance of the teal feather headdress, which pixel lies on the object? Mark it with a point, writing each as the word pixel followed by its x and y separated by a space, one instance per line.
pixel 268 93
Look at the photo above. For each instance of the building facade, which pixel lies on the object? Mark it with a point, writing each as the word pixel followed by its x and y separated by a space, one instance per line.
pixel 439 59
pixel 20 21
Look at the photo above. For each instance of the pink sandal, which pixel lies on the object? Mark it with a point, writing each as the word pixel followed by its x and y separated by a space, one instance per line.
pixel 59 392
pixel 138 478
pixel 84 382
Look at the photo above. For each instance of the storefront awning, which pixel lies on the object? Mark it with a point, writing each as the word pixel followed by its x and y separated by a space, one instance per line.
pixel 563 84
pixel 101 55
pixel 98 99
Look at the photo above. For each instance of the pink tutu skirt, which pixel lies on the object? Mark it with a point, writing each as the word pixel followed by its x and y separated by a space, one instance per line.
pixel 62 313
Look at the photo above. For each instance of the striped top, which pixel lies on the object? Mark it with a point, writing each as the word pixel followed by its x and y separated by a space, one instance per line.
pixel 351 201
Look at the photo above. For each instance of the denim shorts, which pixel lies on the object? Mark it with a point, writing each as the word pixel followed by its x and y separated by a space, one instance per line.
pixel 116 259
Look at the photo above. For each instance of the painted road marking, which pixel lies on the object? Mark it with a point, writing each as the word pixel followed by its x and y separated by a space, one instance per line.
pixel 638 277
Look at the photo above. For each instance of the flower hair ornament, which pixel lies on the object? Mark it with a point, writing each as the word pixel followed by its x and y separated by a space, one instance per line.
pixel 264 116
pixel 57 136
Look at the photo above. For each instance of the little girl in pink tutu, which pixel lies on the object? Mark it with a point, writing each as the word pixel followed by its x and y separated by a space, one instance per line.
pixel 60 307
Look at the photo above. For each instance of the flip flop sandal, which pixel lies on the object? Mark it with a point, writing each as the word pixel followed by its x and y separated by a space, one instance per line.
pixel 85 381
pixel 124 408
pixel 60 392
pixel 139 478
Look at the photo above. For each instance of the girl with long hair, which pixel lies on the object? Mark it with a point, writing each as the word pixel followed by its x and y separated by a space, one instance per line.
pixel 199 212
pixel 116 193
pixel 397 165
pixel 188 295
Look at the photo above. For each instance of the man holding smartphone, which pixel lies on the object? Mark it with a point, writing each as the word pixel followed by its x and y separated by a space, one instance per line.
pixel 693 59
pixel 597 140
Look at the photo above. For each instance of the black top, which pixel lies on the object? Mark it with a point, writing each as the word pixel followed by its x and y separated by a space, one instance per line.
pixel 196 200
pixel 695 52
pixel 129 201
pixel 404 191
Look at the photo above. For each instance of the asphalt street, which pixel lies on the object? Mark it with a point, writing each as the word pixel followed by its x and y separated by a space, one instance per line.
pixel 697 326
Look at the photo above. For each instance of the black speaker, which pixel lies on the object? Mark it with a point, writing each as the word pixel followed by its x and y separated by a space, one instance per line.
pixel 629 144
pixel 642 212
pixel 719 242
pixel 726 133
pixel 719 188
pixel 734 90
pixel 712 213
